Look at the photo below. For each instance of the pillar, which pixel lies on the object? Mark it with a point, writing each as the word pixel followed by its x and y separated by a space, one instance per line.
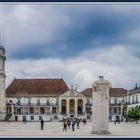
pixel 76 107
pixel 68 107
pixel 60 100
pixel 84 107
pixel 100 106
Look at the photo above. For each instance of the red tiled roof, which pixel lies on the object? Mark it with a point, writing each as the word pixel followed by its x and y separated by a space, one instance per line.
pixel 37 86
pixel 87 92
pixel 113 92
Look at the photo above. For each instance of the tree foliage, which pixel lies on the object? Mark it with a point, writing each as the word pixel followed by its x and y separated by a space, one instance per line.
pixel 134 113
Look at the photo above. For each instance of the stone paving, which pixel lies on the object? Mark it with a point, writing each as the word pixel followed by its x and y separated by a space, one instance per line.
pixel 55 129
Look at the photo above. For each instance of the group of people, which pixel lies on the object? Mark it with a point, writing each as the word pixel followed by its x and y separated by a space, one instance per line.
pixel 70 123
pixel 67 123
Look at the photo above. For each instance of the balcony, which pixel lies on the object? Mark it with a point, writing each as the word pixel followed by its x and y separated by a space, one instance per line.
pixel 88 104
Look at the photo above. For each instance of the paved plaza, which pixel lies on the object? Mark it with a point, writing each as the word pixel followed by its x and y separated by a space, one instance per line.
pixel 56 129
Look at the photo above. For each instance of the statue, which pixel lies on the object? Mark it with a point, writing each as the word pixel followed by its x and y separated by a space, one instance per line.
pixel 100 106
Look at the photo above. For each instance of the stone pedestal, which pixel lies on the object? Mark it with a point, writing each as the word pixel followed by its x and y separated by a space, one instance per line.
pixel 100 106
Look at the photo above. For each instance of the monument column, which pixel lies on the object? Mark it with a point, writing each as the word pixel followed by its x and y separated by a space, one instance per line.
pixel 2 83
pixel 100 106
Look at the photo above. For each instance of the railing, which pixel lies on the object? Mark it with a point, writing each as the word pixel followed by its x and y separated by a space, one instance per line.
pixel 88 104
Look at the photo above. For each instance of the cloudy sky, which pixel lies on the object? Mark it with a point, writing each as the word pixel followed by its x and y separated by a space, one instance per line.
pixel 76 42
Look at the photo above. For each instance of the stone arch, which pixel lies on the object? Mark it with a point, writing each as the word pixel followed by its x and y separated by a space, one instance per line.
pixel 80 106
pixel 42 110
pixel 64 106
pixel 32 110
pixel 72 106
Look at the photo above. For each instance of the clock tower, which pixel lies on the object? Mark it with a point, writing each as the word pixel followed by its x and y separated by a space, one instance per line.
pixel 2 83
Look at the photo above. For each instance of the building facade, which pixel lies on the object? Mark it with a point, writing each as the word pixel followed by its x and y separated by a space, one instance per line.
pixel 52 100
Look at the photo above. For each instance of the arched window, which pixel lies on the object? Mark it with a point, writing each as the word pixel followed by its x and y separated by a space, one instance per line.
pixel 31 110
pixel 64 106
pixel 42 110
pixel 72 106
pixel 80 106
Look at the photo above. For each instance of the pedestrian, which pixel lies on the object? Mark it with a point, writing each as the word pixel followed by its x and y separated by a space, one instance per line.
pixel 42 124
pixel 115 121
pixel 119 121
pixel 78 122
pixel 68 123
pixel 25 120
pixel 73 123
pixel 64 125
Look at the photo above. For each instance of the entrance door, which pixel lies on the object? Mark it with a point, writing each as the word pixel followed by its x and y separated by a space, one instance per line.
pixel 64 106
pixel 79 110
pixel 16 118
pixel 63 109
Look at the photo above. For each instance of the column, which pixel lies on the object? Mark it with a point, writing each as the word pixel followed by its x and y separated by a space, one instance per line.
pixel 60 106
pixel 84 108
pixel 76 107
pixel 68 108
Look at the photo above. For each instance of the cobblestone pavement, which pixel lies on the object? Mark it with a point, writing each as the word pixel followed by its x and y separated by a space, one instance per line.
pixel 55 129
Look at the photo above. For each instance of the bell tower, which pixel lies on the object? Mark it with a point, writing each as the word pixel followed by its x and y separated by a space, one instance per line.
pixel 2 81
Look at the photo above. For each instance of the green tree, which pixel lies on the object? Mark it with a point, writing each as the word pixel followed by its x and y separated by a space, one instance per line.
pixel 134 113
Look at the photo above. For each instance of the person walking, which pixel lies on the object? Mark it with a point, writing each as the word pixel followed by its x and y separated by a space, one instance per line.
pixel 68 123
pixel 73 124
pixel 64 125
pixel 42 124
pixel 78 122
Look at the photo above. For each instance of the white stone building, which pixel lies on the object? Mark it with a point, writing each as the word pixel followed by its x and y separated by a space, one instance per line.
pixel 51 99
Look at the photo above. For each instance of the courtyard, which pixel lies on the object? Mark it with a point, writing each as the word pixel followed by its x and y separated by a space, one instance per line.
pixel 55 129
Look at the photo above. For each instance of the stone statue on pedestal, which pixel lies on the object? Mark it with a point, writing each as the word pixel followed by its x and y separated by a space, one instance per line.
pixel 100 106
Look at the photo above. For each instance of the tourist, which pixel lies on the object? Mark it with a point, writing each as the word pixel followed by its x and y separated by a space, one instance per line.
pixel 78 122
pixel 68 123
pixel 42 124
pixel 73 123
pixel 64 125
pixel 25 120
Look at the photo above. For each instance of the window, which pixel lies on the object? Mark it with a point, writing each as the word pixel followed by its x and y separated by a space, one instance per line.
pixel 42 110
pixel 88 109
pixel 55 117
pixel 31 110
pixel 40 117
pixel 53 109
pixel 88 117
pixel 32 118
